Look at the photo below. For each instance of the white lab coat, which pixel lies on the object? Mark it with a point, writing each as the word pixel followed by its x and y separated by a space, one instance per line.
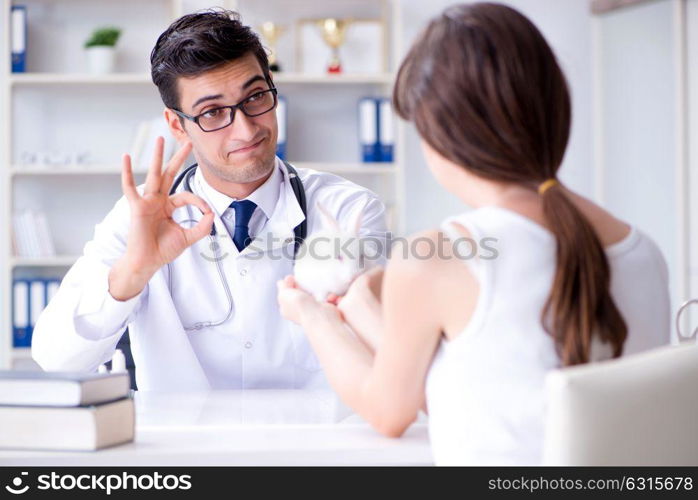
pixel 255 348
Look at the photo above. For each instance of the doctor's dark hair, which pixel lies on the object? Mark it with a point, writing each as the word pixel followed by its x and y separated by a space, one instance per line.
pixel 197 43
pixel 485 91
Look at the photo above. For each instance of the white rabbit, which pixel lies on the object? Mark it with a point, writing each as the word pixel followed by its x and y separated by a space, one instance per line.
pixel 330 259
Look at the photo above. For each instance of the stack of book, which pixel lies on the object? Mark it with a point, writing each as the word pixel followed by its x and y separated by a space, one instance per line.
pixel 64 410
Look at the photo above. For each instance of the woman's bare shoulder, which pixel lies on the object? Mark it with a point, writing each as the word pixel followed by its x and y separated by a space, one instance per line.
pixel 428 248
pixel 446 287
pixel 608 227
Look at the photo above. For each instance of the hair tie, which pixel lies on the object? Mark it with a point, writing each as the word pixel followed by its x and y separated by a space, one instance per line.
pixel 545 185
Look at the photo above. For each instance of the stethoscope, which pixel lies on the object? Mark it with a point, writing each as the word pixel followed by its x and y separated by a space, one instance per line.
pixel 300 232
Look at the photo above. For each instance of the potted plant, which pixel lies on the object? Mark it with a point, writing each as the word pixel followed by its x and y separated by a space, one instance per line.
pixel 100 48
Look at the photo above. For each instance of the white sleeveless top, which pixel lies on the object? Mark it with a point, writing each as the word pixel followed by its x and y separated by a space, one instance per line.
pixel 485 389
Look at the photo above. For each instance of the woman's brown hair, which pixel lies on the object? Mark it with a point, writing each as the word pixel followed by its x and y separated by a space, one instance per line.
pixel 484 89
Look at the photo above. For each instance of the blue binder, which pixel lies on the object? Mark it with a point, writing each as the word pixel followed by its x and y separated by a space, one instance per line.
pixel 282 126
pixel 52 286
pixel 37 302
pixel 29 299
pixel 386 133
pixel 368 129
pixel 21 330
pixel 18 39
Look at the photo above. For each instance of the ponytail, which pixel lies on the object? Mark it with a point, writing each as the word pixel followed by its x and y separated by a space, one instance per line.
pixel 580 304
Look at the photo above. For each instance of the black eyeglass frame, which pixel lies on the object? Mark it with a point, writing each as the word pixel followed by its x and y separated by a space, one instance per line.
pixel 232 108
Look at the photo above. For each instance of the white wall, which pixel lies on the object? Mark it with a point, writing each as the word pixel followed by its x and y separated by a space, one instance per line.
pixel 646 178
pixel 692 67
pixel 567 27
pixel 639 119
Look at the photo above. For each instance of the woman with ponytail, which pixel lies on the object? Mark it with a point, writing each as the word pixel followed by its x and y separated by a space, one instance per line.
pixel 556 280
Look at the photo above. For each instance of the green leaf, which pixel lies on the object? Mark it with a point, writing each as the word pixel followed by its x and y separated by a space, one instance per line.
pixel 106 36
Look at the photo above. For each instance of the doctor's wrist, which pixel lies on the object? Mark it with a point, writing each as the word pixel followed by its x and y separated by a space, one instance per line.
pixel 126 280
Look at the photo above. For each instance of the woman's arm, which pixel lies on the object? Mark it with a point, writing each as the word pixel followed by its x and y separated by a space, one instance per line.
pixel 388 389
pixel 361 307
pixel 345 359
pixel 395 390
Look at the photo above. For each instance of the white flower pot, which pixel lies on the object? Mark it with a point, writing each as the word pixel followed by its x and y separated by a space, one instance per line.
pixel 100 59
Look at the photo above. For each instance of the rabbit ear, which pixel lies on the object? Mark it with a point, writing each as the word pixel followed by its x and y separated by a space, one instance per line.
pixel 355 223
pixel 327 217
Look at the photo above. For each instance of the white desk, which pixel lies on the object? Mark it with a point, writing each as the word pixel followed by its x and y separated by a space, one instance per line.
pixel 245 428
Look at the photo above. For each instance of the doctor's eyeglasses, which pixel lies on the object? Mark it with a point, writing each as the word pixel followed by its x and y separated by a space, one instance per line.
pixel 218 118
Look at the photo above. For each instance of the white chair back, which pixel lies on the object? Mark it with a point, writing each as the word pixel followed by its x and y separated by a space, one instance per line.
pixel 637 410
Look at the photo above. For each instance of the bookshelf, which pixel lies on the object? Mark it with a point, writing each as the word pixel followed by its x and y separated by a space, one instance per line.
pixel 137 78
pixel 60 102
pixel 57 261
pixel 336 168
pixel 78 79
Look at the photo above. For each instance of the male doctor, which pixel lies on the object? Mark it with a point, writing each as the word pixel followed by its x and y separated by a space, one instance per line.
pixel 201 309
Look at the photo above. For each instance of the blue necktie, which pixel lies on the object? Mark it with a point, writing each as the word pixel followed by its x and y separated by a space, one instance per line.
pixel 243 212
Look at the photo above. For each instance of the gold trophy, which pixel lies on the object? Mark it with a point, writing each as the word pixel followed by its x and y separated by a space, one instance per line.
pixel 333 32
pixel 271 33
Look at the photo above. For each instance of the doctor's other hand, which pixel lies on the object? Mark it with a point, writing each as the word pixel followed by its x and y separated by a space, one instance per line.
pixel 362 309
pixel 297 305
pixel 154 238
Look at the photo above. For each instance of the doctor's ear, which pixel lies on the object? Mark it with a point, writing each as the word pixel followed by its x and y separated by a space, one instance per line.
pixel 176 125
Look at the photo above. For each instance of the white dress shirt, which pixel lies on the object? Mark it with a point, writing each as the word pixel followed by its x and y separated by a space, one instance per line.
pixel 265 197
pixel 249 346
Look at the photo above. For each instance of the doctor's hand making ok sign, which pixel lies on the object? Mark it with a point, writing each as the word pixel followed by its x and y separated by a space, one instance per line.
pixel 154 238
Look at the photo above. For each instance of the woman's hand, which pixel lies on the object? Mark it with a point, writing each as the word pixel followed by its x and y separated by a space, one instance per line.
pixel 361 307
pixel 296 304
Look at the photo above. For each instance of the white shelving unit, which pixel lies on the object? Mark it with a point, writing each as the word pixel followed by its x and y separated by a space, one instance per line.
pixel 57 261
pixel 58 189
pixel 137 78
pixel 6 345
pixel 78 79
pixel 336 168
